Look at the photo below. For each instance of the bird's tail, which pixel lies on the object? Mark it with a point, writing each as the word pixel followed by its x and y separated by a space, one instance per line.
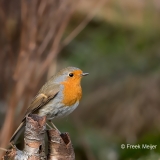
pixel 18 132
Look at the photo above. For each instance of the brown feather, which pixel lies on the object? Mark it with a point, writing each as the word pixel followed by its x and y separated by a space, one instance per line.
pixel 43 97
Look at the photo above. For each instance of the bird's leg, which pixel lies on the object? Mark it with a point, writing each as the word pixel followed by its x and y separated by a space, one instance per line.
pixel 12 145
pixel 54 126
pixel 48 125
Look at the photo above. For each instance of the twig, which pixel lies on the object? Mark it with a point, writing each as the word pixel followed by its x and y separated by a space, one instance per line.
pixel 3 149
pixel 55 45
pixel 83 24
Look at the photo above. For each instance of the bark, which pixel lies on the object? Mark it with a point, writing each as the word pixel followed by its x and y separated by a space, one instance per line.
pixel 34 141
pixel 35 137
pixel 59 146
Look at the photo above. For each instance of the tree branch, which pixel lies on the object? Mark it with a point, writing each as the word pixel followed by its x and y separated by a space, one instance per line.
pixel 59 145
pixel 34 147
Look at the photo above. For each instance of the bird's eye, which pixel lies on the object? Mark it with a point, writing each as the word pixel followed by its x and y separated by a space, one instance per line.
pixel 71 74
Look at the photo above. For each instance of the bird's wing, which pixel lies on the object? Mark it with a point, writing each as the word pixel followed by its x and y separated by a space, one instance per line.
pixel 43 97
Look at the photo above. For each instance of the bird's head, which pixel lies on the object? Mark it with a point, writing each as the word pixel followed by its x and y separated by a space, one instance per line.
pixel 70 75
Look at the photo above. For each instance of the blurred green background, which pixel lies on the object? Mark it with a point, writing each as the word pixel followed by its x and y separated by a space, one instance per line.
pixel 120 48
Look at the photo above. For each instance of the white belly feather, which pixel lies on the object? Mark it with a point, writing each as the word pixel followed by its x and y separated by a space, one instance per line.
pixel 54 109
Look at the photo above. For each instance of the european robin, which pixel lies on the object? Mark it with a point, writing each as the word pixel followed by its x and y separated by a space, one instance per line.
pixel 58 97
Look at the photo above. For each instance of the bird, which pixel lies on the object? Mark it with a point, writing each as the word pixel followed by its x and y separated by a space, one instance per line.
pixel 57 98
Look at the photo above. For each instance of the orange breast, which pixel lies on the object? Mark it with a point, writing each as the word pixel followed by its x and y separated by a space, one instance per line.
pixel 72 92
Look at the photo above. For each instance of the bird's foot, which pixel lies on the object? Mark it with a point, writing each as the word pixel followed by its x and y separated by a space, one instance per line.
pixel 12 145
pixel 54 127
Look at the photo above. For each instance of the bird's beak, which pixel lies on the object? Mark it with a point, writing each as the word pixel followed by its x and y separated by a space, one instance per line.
pixel 85 74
